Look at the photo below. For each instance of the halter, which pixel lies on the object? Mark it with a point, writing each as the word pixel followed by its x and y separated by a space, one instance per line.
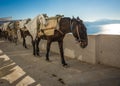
pixel 77 29
pixel 71 25
pixel 79 39
pixel 78 34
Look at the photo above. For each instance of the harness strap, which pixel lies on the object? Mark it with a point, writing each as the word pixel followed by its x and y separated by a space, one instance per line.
pixel 71 25
pixel 60 32
pixel 43 32
pixel 78 33
pixel 57 27
pixel 48 28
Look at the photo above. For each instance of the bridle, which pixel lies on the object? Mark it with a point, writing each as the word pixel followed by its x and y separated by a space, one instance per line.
pixel 78 39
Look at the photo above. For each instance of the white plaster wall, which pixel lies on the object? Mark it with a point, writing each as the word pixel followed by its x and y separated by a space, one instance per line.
pixel 104 49
pixel 73 50
pixel 108 50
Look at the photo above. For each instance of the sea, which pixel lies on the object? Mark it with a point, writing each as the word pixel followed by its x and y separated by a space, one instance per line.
pixel 103 27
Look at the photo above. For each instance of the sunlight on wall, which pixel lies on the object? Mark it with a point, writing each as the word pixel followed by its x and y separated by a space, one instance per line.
pixel 110 29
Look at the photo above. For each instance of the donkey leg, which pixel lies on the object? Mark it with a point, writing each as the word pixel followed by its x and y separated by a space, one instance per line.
pixel 16 39
pixel 62 52
pixel 37 46
pixel 24 42
pixel 48 50
pixel 33 44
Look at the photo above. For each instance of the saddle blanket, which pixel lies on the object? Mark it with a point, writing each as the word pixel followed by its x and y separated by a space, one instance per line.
pixel 52 25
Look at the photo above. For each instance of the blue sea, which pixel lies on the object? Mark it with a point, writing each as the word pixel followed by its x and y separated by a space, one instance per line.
pixel 93 29
pixel 103 27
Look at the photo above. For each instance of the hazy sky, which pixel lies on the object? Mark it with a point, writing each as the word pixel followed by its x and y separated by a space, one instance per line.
pixel 85 9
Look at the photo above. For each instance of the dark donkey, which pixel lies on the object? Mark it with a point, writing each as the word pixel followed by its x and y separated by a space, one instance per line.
pixel 66 25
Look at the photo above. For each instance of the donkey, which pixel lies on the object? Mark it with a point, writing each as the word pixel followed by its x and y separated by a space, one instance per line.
pixel 12 31
pixel 23 30
pixel 66 25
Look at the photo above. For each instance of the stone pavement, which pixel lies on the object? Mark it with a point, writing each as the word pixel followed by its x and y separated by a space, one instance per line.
pixel 18 67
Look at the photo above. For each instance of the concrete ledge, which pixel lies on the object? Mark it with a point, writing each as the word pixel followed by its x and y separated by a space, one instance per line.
pixel 69 53
pixel 102 49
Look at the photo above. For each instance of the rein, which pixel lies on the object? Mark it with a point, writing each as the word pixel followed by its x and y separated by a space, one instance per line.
pixel 79 39
pixel 61 32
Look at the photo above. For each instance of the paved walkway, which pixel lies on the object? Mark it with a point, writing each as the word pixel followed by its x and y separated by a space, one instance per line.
pixel 18 67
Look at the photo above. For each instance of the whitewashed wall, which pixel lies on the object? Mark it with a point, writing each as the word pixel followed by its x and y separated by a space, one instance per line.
pixel 108 50
pixel 104 49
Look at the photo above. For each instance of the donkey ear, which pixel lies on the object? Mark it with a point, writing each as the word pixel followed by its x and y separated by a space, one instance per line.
pixel 78 18
pixel 73 17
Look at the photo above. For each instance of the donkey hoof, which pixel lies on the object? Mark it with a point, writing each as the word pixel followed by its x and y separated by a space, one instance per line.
pixel 65 65
pixel 34 54
pixel 48 60
pixel 26 47
pixel 38 54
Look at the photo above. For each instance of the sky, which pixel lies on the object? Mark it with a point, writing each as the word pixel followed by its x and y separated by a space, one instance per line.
pixel 87 10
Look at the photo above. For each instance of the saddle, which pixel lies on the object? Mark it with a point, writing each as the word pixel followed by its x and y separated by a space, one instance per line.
pixel 22 24
pixel 52 25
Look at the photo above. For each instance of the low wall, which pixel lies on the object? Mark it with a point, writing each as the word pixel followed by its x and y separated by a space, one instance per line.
pixel 73 50
pixel 104 49
pixel 108 50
